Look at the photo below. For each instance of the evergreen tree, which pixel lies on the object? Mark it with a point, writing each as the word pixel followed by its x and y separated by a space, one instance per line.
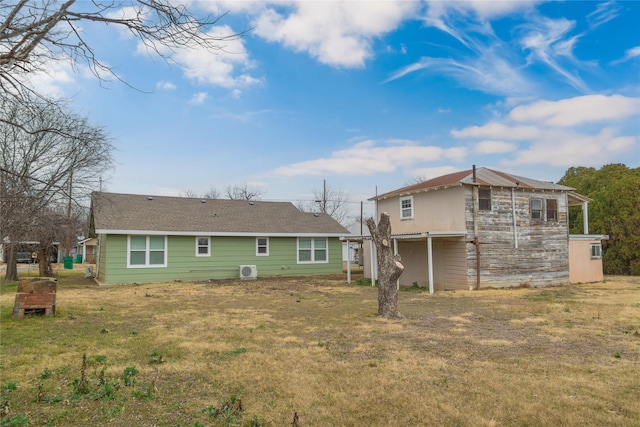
pixel 615 210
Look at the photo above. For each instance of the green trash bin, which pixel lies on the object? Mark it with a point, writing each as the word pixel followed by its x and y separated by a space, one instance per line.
pixel 79 259
pixel 68 263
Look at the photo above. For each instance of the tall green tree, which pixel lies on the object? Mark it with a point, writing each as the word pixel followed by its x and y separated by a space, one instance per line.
pixel 615 210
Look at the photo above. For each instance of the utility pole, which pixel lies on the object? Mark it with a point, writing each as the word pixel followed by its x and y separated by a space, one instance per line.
pixel 324 196
pixel 67 249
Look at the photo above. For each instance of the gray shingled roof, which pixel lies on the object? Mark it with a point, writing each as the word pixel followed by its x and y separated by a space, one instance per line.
pixel 484 176
pixel 117 213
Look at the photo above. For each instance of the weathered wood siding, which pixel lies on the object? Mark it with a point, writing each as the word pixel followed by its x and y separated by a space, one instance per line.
pixel 542 254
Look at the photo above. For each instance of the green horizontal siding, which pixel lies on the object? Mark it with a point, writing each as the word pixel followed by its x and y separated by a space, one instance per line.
pixel 227 253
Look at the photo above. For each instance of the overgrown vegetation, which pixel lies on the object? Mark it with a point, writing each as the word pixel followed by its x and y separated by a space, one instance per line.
pixel 614 211
pixel 312 352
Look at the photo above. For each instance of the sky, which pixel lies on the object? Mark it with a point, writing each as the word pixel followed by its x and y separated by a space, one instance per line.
pixel 366 96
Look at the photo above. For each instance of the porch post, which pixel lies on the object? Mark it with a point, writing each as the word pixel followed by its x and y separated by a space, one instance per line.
pixel 585 217
pixel 430 263
pixel 374 264
pixel 348 263
pixel 395 252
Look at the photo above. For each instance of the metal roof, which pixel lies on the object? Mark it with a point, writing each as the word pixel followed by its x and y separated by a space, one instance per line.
pixel 484 176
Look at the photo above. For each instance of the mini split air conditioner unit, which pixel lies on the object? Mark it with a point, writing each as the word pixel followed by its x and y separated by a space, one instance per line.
pixel 248 272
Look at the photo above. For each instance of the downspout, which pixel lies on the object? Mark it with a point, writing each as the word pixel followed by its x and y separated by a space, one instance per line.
pixel 513 209
pixel 585 217
pixel 476 240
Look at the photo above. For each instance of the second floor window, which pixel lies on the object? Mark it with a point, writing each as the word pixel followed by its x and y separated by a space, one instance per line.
pixel 536 209
pixel 406 208
pixel 484 199
pixel 552 210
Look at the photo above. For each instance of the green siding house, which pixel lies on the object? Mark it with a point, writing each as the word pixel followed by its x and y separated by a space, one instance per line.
pixel 144 239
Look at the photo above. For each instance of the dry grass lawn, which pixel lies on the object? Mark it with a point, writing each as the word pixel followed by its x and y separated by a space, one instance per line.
pixel 255 353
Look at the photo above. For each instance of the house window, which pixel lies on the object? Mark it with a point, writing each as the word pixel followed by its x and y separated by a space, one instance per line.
pixel 262 246
pixel 203 246
pixel 406 208
pixel 552 210
pixel 484 199
pixel 536 209
pixel 312 251
pixel 147 251
pixel 596 250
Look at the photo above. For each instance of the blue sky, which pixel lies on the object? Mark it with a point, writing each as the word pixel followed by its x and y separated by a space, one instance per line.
pixel 368 95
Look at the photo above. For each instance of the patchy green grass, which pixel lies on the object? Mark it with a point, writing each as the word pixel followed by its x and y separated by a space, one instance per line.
pixel 234 353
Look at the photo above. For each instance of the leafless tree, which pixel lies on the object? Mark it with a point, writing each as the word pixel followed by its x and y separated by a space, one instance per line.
pixel 416 180
pixel 243 192
pixel 188 193
pixel 211 193
pixel 333 201
pixel 50 162
pixel 35 32
pixel 390 267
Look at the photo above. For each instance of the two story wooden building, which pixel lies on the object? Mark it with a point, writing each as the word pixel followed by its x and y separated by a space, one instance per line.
pixel 484 228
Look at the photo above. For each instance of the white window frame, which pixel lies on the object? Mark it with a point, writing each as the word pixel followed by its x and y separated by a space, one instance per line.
pixel 258 246
pixel 198 246
pixel 409 209
pixel 147 252
pixel 313 250
pixel 593 246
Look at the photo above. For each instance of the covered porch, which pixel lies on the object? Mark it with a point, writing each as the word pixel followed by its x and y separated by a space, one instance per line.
pixel 433 259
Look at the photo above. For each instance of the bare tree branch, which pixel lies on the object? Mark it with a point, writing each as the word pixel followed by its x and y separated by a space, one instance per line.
pixel 242 192
pixel 34 32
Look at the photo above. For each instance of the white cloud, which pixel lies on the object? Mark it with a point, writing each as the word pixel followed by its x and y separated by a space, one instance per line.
pixel 227 67
pixel 603 13
pixel 487 71
pixel 494 147
pixel 634 52
pixel 336 33
pixel 166 85
pixel 54 77
pixel 428 173
pixel 368 157
pixel 569 149
pixel 549 42
pixel 585 130
pixel 199 98
pixel 497 130
pixel 578 110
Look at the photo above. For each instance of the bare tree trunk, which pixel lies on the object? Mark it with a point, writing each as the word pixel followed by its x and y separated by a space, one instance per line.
pixel 12 265
pixel 389 267
pixel 44 260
